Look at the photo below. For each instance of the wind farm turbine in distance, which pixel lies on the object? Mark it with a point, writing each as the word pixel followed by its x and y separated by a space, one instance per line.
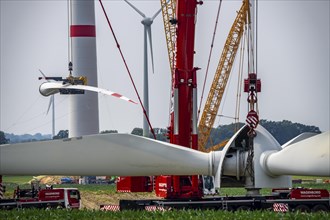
pixel 147 22
pixel 51 103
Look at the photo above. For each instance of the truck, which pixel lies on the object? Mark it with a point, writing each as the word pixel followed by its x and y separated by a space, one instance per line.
pixel 46 198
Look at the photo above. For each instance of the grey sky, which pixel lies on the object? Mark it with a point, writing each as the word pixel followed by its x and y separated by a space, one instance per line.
pixel 293 51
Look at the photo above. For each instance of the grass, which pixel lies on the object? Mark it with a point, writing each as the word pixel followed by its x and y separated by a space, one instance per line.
pixel 181 214
pixel 310 177
pixel 16 179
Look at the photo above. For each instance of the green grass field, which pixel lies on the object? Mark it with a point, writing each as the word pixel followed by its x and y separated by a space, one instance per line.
pixel 11 183
pixel 171 215
pixel 16 179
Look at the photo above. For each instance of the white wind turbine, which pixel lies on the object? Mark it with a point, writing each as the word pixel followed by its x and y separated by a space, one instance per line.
pixel 51 103
pixel 147 22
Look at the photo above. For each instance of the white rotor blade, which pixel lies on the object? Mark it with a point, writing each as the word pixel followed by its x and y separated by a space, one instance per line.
pixel 50 103
pixel 137 10
pixel 42 74
pixel 155 15
pixel 310 157
pixel 300 137
pixel 50 88
pixel 150 43
pixel 105 155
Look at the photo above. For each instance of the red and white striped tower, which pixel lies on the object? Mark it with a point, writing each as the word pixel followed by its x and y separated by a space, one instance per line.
pixel 84 118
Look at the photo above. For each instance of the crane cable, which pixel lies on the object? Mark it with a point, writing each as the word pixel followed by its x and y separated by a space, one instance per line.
pixel 210 54
pixel 239 83
pixel 126 66
pixel 256 51
pixel 69 6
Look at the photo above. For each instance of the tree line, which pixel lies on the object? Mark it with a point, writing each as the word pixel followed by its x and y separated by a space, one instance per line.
pixel 283 131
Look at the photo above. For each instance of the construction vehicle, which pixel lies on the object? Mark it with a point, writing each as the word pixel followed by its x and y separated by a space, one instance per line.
pixel 281 200
pixel 218 85
pixel 47 198
pixel 184 80
pixel 181 192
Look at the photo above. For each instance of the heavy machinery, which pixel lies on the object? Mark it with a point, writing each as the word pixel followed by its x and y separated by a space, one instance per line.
pixel 281 200
pixel 218 85
pixel 47 198
pixel 184 85
pixel 184 73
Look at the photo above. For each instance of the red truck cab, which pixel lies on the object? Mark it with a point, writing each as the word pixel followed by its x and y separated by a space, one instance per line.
pixel 70 197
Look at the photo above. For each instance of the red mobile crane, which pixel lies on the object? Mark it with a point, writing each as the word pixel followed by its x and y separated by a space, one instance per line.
pixel 184 118
pixel 182 192
pixel 183 128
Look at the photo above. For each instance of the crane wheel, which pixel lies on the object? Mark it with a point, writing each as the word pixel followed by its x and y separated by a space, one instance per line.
pixel 319 207
pixel 302 208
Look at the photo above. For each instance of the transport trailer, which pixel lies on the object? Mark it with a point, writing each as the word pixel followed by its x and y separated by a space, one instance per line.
pixel 281 200
pixel 8 204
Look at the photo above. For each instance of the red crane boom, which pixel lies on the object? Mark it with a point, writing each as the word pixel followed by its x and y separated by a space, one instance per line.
pixel 184 123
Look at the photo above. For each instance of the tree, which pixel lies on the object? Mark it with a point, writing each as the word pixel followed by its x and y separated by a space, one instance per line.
pixel 108 131
pixel 62 134
pixel 282 131
pixel 137 131
pixel 3 139
pixel 285 130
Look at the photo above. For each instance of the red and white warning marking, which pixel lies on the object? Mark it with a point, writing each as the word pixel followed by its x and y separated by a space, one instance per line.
pixel 153 208
pixel 111 208
pixel 51 88
pixel 123 190
pixel 1 188
pixel 252 119
pixel 280 207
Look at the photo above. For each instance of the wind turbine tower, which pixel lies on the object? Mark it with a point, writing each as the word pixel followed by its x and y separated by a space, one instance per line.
pixel 147 22
pixel 84 118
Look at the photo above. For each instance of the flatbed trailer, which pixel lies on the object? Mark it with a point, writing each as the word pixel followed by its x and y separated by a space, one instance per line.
pixel 304 200
pixel 8 204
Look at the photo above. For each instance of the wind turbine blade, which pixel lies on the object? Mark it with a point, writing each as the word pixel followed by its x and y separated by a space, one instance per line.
pixel 299 138
pixel 50 103
pixel 309 157
pixel 43 75
pixel 51 88
pixel 105 155
pixel 151 51
pixel 156 14
pixel 137 10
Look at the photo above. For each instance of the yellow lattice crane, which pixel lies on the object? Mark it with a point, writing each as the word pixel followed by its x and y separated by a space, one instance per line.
pixel 221 78
pixel 168 11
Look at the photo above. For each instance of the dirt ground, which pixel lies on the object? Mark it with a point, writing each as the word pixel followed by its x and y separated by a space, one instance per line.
pixel 93 200
pixel 52 180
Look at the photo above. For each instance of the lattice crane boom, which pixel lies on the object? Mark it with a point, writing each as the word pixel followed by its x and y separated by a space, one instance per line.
pixel 221 77
pixel 168 11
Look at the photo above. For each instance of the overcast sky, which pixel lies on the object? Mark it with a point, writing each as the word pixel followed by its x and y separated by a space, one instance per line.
pixel 293 62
